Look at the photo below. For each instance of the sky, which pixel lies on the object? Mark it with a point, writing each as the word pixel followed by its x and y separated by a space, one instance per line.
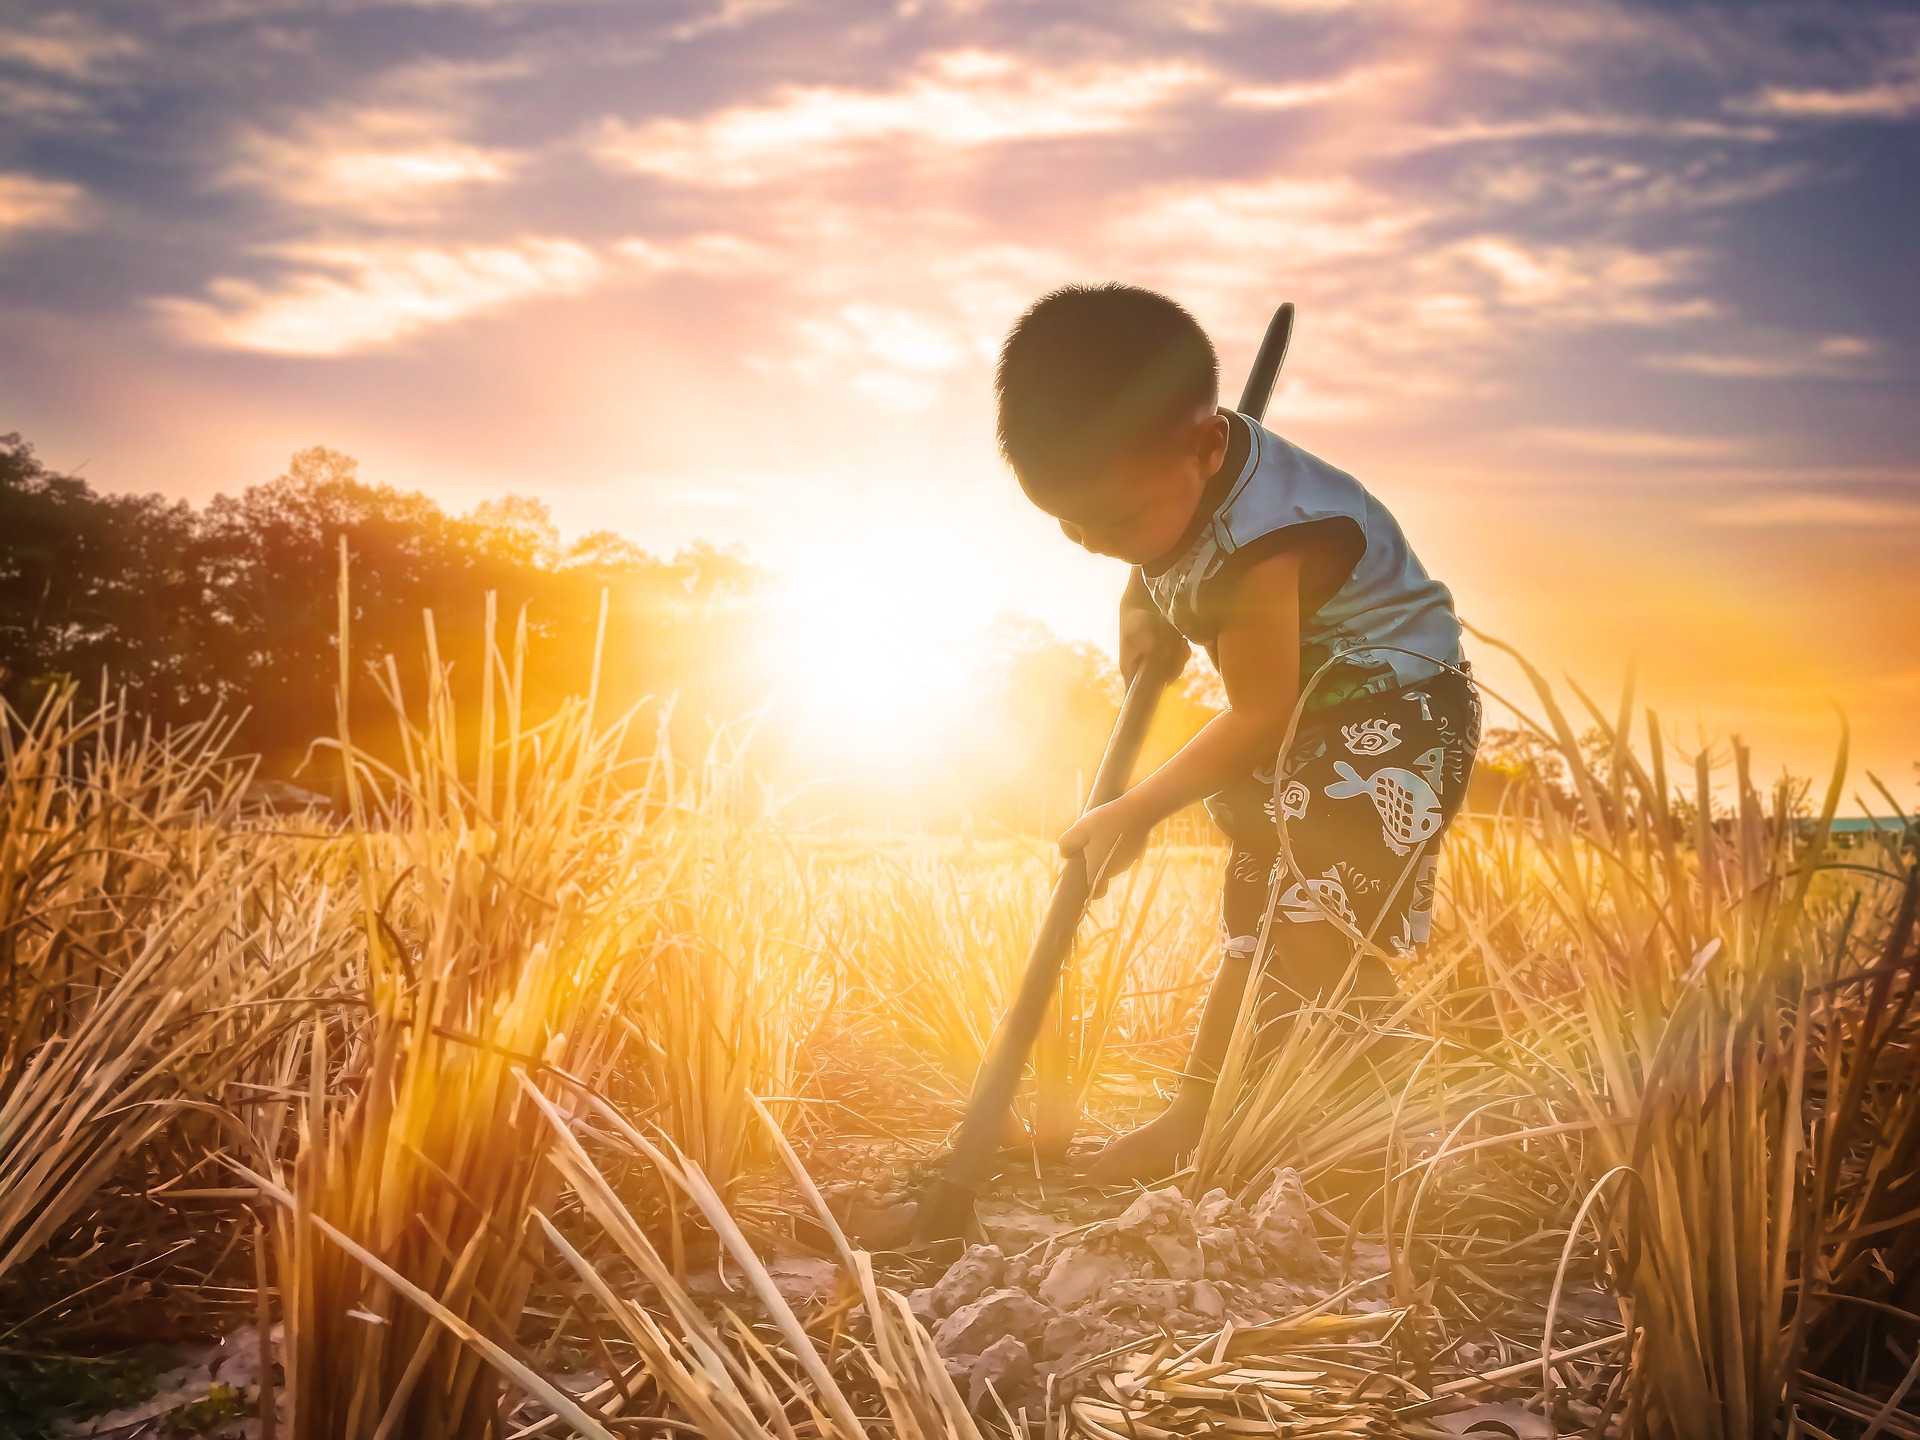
pixel 1614 305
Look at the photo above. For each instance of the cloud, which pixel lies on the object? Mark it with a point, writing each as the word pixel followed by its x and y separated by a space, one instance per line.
pixel 64 45
pixel 903 309
pixel 711 255
pixel 959 100
pixel 341 299
pixel 1613 187
pixel 1577 125
pixel 347 298
pixel 30 203
pixel 57 70
pixel 1399 305
pixel 376 162
pixel 1895 97
pixel 1635 444
pixel 1493 218
pixel 894 355
pixel 1811 508
pixel 1366 79
pixel 1834 357
pixel 1557 285
pixel 1279 222
pixel 1220 15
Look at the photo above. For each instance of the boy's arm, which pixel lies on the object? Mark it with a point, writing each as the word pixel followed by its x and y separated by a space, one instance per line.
pixel 1145 634
pixel 1258 648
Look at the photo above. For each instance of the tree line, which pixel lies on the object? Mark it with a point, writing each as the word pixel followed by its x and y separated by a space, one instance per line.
pixel 234 606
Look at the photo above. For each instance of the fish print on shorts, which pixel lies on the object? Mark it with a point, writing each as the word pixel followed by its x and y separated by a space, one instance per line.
pixel 1310 900
pixel 1420 906
pixel 1373 864
pixel 1248 866
pixel 1403 943
pixel 1354 880
pixel 1373 736
pixel 1433 764
pixel 1409 808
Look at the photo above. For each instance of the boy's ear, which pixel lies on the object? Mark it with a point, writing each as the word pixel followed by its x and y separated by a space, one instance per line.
pixel 1210 441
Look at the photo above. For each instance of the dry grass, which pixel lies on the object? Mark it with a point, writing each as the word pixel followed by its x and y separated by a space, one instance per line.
pixel 487 1053
pixel 931 940
pixel 154 961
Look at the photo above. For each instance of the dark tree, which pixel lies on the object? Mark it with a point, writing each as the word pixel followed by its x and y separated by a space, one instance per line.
pixel 237 606
pixel 92 583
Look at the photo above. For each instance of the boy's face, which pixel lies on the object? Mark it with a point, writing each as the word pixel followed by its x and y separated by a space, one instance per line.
pixel 1138 507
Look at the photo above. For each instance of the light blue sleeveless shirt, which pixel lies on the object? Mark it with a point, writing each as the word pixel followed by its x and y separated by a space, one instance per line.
pixel 1361 584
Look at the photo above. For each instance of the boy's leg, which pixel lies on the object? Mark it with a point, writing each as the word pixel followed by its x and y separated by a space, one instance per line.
pixel 1158 1146
pixel 1305 963
pixel 1358 857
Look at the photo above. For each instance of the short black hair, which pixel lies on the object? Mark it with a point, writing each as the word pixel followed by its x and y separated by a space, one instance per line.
pixel 1092 371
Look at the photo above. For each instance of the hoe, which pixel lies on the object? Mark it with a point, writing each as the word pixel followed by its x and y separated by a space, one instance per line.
pixel 946 1211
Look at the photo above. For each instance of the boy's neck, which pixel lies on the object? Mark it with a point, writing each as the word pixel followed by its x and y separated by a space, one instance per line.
pixel 1233 460
pixel 1212 490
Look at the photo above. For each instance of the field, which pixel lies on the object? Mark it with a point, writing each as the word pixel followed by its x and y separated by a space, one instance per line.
pixel 547 1090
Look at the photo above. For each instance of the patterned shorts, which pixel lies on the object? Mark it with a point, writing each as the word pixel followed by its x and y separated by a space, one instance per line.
pixel 1367 792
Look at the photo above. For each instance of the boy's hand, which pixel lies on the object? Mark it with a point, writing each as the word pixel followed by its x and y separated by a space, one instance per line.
pixel 1108 839
pixel 1145 635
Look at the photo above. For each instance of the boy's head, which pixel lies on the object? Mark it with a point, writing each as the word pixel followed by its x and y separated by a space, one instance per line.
pixel 1107 398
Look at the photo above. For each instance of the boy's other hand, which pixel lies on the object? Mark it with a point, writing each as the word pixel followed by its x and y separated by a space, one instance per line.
pixel 1108 839
pixel 1146 637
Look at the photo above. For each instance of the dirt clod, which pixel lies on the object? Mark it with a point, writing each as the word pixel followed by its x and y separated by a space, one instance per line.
pixel 876 1209
pixel 1007 1365
pixel 981 1269
pixel 1078 1275
pixel 1283 1220
pixel 880 1225
pixel 974 1326
pixel 1164 1263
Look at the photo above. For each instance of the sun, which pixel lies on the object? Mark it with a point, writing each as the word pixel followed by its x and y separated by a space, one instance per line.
pixel 867 656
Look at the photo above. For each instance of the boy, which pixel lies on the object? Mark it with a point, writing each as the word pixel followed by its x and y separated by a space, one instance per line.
pixel 1290 574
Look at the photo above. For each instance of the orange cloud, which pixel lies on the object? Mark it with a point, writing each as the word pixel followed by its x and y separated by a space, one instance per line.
pixel 1620 444
pixel 65 45
pixel 1823 510
pixel 1316 92
pixel 1894 98
pixel 372 163
pixel 29 203
pixel 357 297
pixel 1776 357
pixel 959 100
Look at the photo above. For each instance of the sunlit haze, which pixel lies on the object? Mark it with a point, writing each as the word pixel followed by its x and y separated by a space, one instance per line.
pixel 1613 305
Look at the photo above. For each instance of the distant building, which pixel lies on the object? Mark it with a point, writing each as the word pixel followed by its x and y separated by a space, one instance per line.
pixel 284 797
pixel 1849 831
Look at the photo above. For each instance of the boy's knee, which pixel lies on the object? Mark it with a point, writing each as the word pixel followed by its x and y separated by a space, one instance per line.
pixel 1315 974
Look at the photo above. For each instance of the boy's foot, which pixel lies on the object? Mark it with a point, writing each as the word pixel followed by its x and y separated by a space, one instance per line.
pixel 1013 1133
pixel 1154 1150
